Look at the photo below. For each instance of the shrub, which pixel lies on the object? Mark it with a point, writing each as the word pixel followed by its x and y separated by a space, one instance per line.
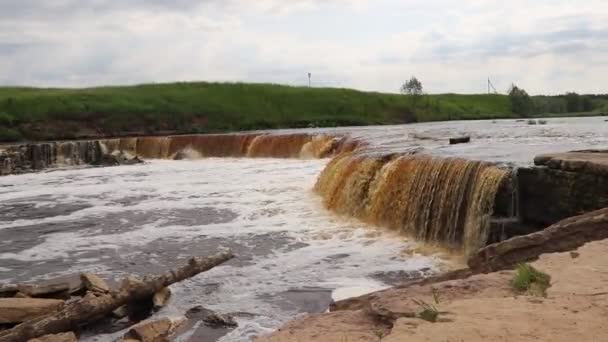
pixel 530 280
pixel 9 135
pixel 6 119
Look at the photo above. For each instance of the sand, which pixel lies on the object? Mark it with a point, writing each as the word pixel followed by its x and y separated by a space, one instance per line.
pixel 480 308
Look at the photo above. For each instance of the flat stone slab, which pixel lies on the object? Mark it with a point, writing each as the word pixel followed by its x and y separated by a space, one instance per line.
pixel 589 161
pixel 64 337
pixel 17 310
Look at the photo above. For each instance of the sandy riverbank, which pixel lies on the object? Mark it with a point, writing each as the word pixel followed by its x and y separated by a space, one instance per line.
pixel 480 308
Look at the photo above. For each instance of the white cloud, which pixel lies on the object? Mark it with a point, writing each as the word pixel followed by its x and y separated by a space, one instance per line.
pixel 545 46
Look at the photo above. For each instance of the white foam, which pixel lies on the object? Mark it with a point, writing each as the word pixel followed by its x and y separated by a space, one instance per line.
pixel 269 196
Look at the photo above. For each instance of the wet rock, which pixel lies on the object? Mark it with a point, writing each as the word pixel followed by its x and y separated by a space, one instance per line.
pixel 17 310
pixel 161 298
pixel 94 284
pixel 564 236
pixel 121 312
pixel 54 290
pixel 211 318
pixel 151 331
pixel 532 122
pixel 460 140
pixel 64 337
pixel 7 291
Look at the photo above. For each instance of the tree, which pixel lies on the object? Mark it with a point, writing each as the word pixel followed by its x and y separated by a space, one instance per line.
pixel 413 89
pixel 578 103
pixel 521 102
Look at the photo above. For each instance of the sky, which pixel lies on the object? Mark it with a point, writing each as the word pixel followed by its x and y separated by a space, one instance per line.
pixel 544 46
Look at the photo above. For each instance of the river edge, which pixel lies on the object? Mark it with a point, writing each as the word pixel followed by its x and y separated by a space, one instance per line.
pixel 478 308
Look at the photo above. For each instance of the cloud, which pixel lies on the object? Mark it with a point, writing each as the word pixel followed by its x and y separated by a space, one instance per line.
pixel 371 45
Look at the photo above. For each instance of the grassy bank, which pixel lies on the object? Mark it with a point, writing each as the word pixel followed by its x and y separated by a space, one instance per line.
pixel 46 114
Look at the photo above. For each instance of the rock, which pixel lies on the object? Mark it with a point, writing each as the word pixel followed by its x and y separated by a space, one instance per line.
pixel 542 122
pixel 17 310
pixel 564 236
pixel 64 337
pixel 161 298
pixel 94 284
pixel 460 140
pixel 532 122
pixel 151 331
pixel 121 312
pixel 211 318
pixel 562 189
pixel 61 289
pixel 574 255
pixel 589 162
pixel 7 291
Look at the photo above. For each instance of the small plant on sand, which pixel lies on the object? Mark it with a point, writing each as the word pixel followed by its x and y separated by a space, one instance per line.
pixel 379 334
pixel 435 293
pixel 530 280
pixel 427 312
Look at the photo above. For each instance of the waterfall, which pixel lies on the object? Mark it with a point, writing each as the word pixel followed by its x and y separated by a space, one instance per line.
pixel 443 200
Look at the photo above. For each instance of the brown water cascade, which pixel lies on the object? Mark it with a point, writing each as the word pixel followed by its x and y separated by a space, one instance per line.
pixel 233 145
pixel 443 200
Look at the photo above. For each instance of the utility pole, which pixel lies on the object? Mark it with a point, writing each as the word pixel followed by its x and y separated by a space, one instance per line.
pixel 491 87
pixel 309 80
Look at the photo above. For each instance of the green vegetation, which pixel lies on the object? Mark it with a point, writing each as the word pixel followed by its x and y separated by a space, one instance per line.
pixel 45 114
pixel 530 280
pixel 427 312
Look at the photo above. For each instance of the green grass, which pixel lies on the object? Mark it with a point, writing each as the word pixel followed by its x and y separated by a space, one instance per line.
pixel 530 280
pixel 44 114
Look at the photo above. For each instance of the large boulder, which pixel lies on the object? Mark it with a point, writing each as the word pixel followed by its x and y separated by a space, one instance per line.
pixel 564 236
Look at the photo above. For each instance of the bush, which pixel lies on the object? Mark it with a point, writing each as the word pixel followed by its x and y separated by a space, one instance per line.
pixel 6 119
pixel 530 280
pixel 9 135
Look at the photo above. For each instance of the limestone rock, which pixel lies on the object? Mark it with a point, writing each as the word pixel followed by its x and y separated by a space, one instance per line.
pixel 161 298
pixel 589 161
pixel 211 318
pixel 44 290
pixel 94 284
pixel 151 331
pixel 548 195
pixel 17 310
pixel 564 236
pixel 64 337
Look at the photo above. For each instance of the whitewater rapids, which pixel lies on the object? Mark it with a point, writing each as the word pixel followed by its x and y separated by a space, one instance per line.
pixel 293 256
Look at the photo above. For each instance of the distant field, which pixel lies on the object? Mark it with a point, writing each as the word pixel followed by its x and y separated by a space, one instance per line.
pixel 46 114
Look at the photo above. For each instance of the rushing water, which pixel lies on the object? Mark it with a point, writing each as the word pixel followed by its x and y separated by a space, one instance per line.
pixel 145 218
pixel 293 255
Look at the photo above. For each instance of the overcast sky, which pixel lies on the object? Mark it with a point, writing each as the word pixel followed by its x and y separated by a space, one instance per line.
pixel 545 46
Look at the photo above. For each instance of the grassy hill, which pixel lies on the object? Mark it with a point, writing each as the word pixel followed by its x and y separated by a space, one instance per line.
pixel 47 114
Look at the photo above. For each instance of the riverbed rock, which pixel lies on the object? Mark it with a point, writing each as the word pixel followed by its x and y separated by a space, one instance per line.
pixel 94 284
pixel 161 298
pixel 460 140
pixel 564 236
pixel 7 291
pixel 54 290
pixel 17 310
pixel 64 337
pixel 211 318
pixel 151 331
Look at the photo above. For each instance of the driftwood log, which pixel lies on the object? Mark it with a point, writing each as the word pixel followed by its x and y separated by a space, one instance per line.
pixel 93 307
